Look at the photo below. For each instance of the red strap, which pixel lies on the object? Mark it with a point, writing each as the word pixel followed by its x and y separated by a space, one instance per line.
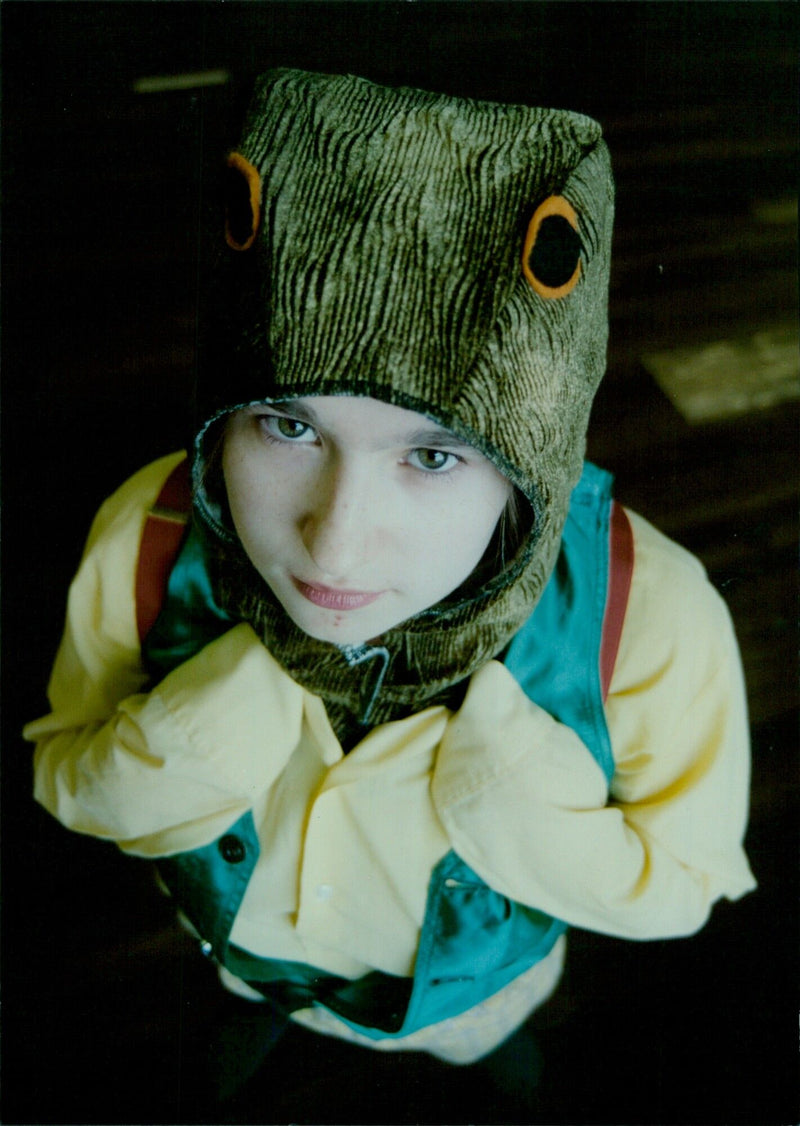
pixel 620 571
pixel 161 540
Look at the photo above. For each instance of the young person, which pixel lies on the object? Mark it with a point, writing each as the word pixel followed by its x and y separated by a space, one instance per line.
pixel 412 694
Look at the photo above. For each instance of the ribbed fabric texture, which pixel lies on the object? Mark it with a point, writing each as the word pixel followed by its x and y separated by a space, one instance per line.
pixel 388 263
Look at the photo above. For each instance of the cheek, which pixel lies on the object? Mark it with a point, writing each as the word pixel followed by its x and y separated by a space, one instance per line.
pixel 234 471
pixel 240 489
pixel 452 545
pixel 255 499
pixel 473 516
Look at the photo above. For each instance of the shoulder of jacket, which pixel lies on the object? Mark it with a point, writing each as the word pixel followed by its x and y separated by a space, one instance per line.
pixel 675 616
pixel 131 502
pixel 656 555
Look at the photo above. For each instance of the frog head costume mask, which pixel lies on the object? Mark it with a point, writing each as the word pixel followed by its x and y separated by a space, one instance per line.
pixel 443 255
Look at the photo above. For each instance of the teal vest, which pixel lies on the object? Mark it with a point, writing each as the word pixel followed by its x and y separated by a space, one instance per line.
pixel 474 941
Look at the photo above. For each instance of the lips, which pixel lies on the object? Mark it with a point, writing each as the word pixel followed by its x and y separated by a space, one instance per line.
pixel 331 598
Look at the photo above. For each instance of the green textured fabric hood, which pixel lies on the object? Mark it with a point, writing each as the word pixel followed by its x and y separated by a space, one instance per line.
pixel 445 255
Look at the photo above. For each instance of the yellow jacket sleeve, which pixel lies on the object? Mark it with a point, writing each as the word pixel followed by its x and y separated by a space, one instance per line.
pixel 527 806
pixel 164 771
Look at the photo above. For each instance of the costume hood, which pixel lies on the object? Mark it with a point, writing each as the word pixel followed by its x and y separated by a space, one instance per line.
pixel 444 255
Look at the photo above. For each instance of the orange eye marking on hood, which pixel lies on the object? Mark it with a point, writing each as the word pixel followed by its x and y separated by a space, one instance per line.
pixel 551 251
pixel 243 202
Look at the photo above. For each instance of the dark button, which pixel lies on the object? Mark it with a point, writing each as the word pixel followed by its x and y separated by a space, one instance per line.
pixel 232 849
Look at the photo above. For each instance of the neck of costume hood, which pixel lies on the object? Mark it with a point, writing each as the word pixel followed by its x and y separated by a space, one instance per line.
pixel 407 668
pixel 379 657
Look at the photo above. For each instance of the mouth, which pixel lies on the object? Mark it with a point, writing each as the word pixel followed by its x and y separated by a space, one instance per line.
pixel 330 598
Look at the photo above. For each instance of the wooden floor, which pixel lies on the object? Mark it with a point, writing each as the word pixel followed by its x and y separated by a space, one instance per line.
pixel 107 1003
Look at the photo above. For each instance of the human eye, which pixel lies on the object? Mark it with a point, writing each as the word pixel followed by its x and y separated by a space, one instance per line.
pixel 433 461
pixel 281 428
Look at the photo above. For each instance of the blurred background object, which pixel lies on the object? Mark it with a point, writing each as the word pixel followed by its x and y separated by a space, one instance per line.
pixel 115 120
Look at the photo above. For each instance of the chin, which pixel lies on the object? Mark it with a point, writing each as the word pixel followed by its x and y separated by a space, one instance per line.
pixel 343 634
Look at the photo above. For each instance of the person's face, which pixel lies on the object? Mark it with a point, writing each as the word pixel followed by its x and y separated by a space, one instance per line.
pixel 357 514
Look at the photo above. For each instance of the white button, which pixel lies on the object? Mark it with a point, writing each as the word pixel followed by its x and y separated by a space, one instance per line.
pixel 324 891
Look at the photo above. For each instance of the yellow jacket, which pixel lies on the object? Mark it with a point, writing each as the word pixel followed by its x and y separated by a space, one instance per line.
pixel 348 842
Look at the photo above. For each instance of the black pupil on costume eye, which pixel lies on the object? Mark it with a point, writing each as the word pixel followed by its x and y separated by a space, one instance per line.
pixel 239 210
pixel 556 252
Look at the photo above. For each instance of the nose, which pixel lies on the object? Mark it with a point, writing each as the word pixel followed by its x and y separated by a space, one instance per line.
pixel 335 526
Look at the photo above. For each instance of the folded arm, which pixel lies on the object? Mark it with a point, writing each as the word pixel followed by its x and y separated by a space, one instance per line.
pixel 167 770
pixel 527 806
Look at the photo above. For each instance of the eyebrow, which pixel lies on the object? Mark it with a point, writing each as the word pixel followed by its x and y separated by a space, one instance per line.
pixel 437 436
pixel 295 409
pixel 423 438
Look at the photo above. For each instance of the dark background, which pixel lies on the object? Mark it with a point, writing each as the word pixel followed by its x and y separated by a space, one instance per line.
pixel 105 1000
